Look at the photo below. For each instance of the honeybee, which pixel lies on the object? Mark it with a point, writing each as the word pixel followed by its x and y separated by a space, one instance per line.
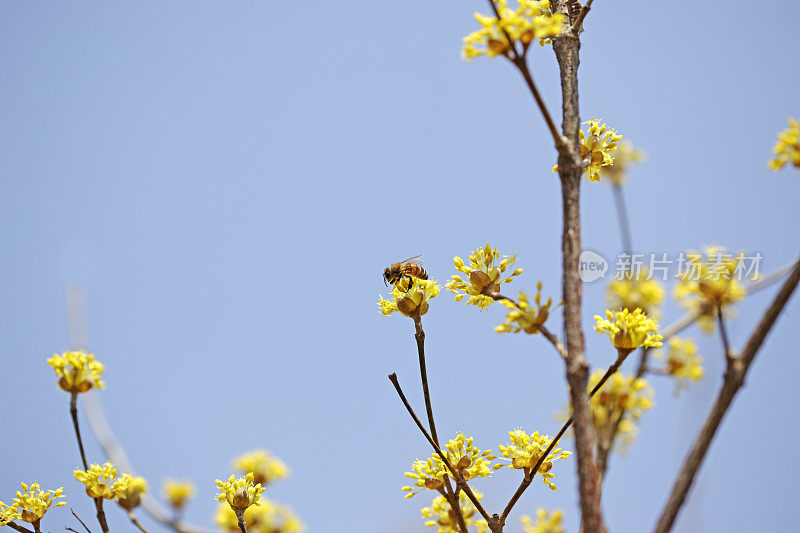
pixel 410 268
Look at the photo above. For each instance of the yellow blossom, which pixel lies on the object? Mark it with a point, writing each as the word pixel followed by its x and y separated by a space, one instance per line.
pixel 265 467
pixel 8 513
pixel 240 493
pixel 622 395
pixel 787 149
pixel 177 493
pixel 468 460
pixel 264 517
pixel 523 316
pixel 100 482
pixel 483 276
pixel 30 504
pixel 546 522
pixel 410 296
pixel 629 331
pixel 77 371
pixel 132 496
pixel 710 282
pixel 635 290
pixel 682 361
pixel 441 516
pixel 596 145
pixel 530 20
pixel 526 450
pixel 624 157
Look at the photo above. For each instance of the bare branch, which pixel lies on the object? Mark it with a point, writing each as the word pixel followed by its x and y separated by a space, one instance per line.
pixel 734 378
pixel 578 25
pixel 78 518
pixel 464 486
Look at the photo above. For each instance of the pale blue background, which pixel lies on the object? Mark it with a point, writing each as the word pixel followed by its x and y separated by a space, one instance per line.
pixel 228 179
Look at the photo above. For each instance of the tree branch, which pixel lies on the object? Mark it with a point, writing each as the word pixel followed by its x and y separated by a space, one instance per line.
pixel 566 47
pixel 462 484
pixel 450 495
pixel 734 378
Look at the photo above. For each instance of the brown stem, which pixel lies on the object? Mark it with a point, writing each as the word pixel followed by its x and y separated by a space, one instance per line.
pixel 578 25
pixel 546 333
pixel 452 498
pixel 419 335
pixel 566 47
pixel 73 411
pixel 726 345
pixel 734 378
pixel 462 484
pixel 240 521
pixel 670 331
pixel 136 522
pixel 561 146
pixel 528 479
pixel 78 518
pixel 17 527
pixel 101 514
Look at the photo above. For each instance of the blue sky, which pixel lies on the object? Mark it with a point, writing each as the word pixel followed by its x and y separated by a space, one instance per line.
pixel 227 181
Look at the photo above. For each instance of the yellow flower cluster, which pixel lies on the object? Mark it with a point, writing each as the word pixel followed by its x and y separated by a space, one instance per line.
pixel 100 482
pixel 264 517
pixel 468 460
pixel 30 504
pixel 682 361
pixel 635 290
pixel 596 145
pixel 625 157
pixel 787 149
pixel 131 497
pixel 530 20
pixel 76 371
pixel 525 317
pixel 440 515
pixel 629 331
pixel 620 394
pixel 240 493
pixel 482 276
pixel 526 450
pixel 546 522
pixel 410 296
pixel 265 467
pixel 177 493
pixel 708 283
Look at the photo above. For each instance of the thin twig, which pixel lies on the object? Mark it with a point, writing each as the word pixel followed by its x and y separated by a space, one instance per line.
pixel 459 479
pixel 511 42
pixel 78 518
pixel 578 25
pixel 136 522
pixel 450 495
pixel 73 412
pixel 734 378
pixel 527 480
pixel 240 521
pixel 676 327
pixel 98 502
pixel 726 345
pixel 546 333
pixel 561 146
pixel 17 527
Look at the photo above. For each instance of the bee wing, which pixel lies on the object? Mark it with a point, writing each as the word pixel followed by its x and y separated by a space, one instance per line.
pixel 417 260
